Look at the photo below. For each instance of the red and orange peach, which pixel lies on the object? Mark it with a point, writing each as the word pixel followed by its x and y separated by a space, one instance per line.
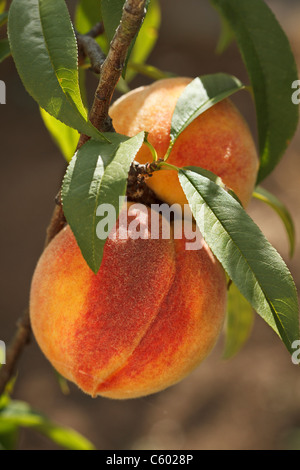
pixel 154 310
pixel 219 140
pixel 150 315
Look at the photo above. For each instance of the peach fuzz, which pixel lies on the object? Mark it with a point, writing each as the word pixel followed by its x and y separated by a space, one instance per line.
pixel 219 140
pixel 149 316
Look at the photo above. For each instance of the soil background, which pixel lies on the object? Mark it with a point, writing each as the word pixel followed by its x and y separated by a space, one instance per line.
pixel 250 402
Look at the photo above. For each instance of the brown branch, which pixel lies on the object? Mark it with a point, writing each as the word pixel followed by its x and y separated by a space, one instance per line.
pixel 132 18
pixel 137 189
pixel 96 31
pixel 111 70
pixel 56 224
pixel 15 349
pixel 88 47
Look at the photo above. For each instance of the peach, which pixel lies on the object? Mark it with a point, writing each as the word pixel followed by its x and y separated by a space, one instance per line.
pixel 219 140
pixel 149 316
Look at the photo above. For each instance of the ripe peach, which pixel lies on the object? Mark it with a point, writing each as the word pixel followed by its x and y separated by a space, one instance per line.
pixel 149 316
pixel 219 140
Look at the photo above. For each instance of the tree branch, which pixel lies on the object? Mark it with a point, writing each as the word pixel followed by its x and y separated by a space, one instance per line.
pixel 96 31
pixel 15 349
pixel 132 18
pixel 88 47
pixel 111 70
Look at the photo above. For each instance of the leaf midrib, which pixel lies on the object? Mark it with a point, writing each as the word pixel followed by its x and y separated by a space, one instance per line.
pixel 192 118
pixel 95 208
pixel 243 256
pixel 261 68
pixel 53 67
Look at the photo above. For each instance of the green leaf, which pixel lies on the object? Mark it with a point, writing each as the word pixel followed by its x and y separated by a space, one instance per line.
pixel 44 48
pixel 4 49
pixel 145 40
pixel 226 37
pixel 200 95
pixel 2 353
pixel 216 179
pixel 2 5
pixel 82 85
pixel 87 14
pixel 3 18
pixel 265 196
pixel 239 322
pixel 4 400
pixel 111 14
pixel 271 66
pixel 248 258
pixel 62 382
pixel 149 71
pixel 96 175
pixel 122 86
pixel 64 136
pixel 20 414
pixel 9 434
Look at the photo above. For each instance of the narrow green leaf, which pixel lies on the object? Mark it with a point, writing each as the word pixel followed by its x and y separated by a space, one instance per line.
pixel 3 18
pixel 148 34
pixel 82 85
pixel 216 179
pixel 149 71
pixel 2 5
pixel 44 48
pixel 226 37
pixel 96 175
pixel 200 95
pixel 62 382
pixel 111 11
pixel 9 388
pixel 4 400
pixel 20 414
pixel 145 40
pixel 4 49
pixel 2 353
pixel 64 437
pixel 87 14
pixel 9 434
pixel 122 86
pixel 64 136
pixel 248 258
pixel 239 322
pixel 265 196
pixel 271 66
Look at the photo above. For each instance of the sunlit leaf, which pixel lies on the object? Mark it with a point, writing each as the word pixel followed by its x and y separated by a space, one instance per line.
pixel 248 258
pixel 239 322
pixel 44 48
pixel 97 174
pixel 265 196
pixel 20 414
pixel 272 69
pixel 64 136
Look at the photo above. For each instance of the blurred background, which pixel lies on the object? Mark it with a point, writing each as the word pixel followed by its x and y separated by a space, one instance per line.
pixel 250 402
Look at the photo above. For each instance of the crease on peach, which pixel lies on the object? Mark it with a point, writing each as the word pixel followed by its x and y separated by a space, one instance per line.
pixel 118 369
